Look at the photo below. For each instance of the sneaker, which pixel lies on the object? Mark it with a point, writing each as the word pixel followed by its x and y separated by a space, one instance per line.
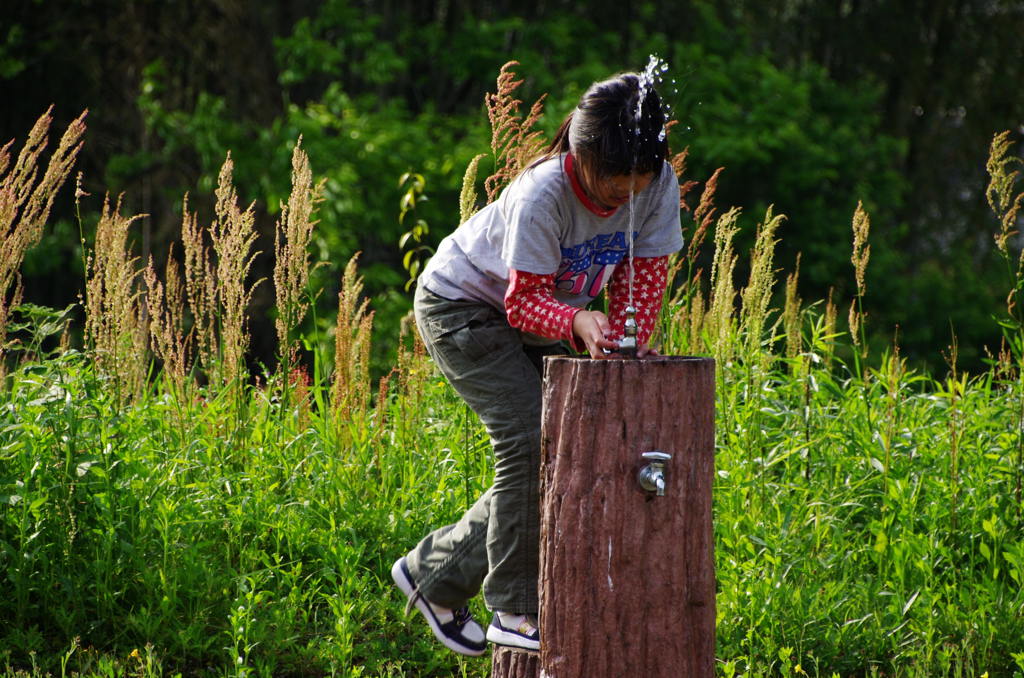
pixel 455 628
pixel 514 630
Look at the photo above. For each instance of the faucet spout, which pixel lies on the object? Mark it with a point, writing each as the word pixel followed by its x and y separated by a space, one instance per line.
pixel 659 484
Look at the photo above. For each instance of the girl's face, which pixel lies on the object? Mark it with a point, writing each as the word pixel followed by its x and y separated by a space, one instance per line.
pixel 613 191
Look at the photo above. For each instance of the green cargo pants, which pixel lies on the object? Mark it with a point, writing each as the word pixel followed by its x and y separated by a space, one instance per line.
pixel 495 544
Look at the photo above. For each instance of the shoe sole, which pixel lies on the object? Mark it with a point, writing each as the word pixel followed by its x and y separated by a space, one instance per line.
pixel 405 585
pixel 499 636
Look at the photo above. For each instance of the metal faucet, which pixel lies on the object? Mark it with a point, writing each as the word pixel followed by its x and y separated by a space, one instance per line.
pixel 627 345
pixel 652 476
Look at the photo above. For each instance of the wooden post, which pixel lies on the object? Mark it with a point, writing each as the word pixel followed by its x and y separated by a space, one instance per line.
pixel 627 578
pixel 510 662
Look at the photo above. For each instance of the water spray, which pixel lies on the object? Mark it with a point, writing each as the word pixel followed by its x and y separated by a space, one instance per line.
pixel 649 77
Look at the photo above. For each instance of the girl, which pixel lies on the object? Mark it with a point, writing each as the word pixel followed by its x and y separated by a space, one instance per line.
pixel 507 288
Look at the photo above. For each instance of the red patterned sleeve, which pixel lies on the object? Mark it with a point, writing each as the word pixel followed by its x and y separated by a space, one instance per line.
pixel 649 280
pixel 531 306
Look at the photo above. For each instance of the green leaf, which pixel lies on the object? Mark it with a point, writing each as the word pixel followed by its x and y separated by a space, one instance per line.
pixel 910 602
pixel 989 525
pixel 407 202
pixel 881 541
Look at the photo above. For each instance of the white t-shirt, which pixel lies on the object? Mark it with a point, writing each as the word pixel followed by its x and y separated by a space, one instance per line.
pixel 539 225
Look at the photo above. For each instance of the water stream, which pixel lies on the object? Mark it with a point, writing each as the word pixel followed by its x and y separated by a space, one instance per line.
pixel 650 77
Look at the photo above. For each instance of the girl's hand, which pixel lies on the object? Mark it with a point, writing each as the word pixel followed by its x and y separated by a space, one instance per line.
pixel 592 328
pixel 646 351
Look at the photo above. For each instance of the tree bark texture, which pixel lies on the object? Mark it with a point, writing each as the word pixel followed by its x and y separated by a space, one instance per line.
pixel 627 578
pixel 508 662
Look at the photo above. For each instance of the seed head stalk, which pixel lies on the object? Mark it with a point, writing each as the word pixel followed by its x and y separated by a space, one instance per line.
pixel 956 386
pixel 514 141
pixel 702 217
pixel 859 259
pixel 1006 205
pixel 233 234
pixel 756 296
pixel 351 388
pixel 116 328
pixel 291 263
pixel 25 204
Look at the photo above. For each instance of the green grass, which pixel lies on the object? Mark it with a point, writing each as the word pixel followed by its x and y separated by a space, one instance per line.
pixel 250 545
pixel 868 519
pixel 209 536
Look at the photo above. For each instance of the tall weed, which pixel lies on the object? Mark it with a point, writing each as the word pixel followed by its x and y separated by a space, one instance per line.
pixel 719 322
pixel 757 295
pixel 25 204
pixel 514 141
pixel 350 393
pixel 169 336
pixel 291 262
pixel 233 235
pixel 200 289
pixel 116 324
pixel 1006 207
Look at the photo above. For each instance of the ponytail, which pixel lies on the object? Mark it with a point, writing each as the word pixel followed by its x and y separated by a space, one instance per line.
pixel 560 144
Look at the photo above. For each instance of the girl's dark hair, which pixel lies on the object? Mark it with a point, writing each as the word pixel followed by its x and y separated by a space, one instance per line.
pixel 612 132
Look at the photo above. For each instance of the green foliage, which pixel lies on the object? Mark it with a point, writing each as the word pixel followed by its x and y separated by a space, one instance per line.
pixel 186 534
pixel 791 138
pixel 837 535
pixel 11 65
pixel 254 552
pixel 36 330
pixel 413 257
